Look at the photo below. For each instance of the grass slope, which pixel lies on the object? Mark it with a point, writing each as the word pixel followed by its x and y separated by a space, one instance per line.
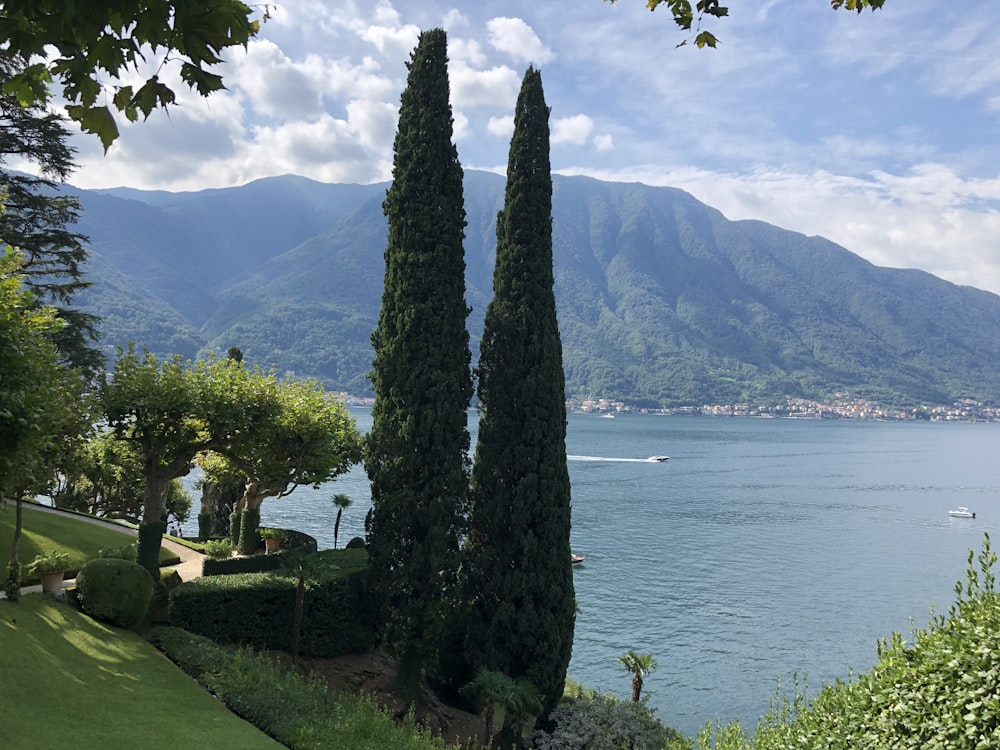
pixel 83 684
pixel 52 532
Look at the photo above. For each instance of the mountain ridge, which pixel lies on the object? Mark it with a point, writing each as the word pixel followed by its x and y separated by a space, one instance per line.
pixel 662 300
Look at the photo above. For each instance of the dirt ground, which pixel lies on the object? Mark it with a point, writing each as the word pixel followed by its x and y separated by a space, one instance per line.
pixel 374 674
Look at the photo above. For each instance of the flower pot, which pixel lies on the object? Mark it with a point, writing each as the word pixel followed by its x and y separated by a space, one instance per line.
pixel 272 545
pixel 52 583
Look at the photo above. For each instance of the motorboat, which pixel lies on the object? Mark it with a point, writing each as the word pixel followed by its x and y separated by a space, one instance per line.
pixel 576 559
pixel 661 459
pixel 961 512
pixel 608 415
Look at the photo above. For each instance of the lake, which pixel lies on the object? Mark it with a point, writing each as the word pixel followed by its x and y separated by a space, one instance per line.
pixel 762 548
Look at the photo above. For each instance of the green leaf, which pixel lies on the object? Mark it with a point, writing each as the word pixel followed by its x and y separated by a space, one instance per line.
pixel 97 121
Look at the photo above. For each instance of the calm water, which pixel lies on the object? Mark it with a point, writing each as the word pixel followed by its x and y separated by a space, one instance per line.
pixel 762 548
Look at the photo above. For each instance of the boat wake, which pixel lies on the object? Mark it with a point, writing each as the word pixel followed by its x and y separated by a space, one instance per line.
pixel 651 459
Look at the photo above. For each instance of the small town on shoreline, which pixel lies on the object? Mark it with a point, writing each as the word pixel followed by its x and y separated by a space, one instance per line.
pixel 844 406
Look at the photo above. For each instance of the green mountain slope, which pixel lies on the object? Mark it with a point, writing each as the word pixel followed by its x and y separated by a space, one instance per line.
pixel 662 300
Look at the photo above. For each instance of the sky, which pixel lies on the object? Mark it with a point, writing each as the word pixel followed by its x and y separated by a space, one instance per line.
pixel 878 131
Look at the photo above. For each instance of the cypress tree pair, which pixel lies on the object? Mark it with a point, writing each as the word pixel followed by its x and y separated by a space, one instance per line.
pixel 417 451
pixel 520 583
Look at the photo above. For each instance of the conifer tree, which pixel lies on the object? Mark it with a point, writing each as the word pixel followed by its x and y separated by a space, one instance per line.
pixel 417 451
pixel 520 584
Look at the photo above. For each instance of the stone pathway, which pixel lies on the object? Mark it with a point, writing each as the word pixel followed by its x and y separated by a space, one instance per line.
pixel 188 568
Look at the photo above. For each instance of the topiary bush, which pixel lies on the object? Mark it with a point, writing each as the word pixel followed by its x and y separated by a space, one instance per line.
pixel 114 591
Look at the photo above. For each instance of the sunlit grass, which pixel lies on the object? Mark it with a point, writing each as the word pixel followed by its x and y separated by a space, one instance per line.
pixel 51 532
pixel 69 681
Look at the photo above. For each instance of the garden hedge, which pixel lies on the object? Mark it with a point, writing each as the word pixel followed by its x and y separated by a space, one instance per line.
pixel 257 609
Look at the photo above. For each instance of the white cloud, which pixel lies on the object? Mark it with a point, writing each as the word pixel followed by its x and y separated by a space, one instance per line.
pixel 604 142
pixel 501 126
pixel 496 87
pixel 575 129
pixel 516 38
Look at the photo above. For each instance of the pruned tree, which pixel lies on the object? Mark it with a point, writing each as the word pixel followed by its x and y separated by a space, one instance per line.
pixel 171 411
pixel 310 439
pixel 89 48
pixel 517 557
pixel 417 449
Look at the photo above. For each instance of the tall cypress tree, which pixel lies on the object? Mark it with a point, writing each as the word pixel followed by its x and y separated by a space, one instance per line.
pixel 518 552
pixel 417 450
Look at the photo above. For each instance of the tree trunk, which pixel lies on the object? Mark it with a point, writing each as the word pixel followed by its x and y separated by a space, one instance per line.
pixel 13 585
pixel 300 600
pixel 147 546
pixel 636 687
pixel 336 526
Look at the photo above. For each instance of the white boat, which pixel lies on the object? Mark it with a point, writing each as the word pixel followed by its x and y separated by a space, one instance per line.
pixel 658 458
pixel 961 512
pixel 608 416
pixel 576 559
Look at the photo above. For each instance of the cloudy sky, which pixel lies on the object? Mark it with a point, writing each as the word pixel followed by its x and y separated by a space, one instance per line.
pixel 880 131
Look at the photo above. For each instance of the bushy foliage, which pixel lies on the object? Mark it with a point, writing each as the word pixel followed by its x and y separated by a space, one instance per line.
pixel 114 591
pixel 298 712
pixel 597 721
pixel 219 549
pixel 941 690
pixel 124 552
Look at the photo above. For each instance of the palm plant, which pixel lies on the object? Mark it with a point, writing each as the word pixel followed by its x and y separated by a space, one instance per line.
pixel 342 502
pixel 305 568
pixel 639 665
pixel 518 698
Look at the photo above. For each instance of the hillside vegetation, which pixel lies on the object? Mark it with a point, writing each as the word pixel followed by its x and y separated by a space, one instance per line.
pixel 661 299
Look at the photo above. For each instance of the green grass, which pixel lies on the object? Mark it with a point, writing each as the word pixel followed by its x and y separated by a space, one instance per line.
pixel 70 681
pixel 52 532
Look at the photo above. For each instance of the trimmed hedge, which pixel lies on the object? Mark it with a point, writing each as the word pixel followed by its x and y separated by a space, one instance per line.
pixel 115 591
pixel 257 609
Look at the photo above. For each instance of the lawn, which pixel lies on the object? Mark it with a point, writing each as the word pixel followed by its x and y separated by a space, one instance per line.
pixel 69 681
pixel 52 532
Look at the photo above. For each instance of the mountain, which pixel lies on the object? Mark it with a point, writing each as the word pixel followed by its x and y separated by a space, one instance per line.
pixel 661 299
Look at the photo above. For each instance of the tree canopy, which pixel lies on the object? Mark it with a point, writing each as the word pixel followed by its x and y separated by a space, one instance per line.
pixel 90 48
pixel 687 14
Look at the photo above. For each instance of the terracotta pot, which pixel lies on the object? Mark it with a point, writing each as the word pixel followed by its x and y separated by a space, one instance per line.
pixel 52 583
pixel 272 545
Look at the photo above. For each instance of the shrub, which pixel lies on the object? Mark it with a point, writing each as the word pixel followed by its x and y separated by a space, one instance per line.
pixel 356 543
pixel 940 690
pixel 298 712
pixel 49 562
pixel 602 722
pixel 114 591
pixel 125 552
pixel 218 549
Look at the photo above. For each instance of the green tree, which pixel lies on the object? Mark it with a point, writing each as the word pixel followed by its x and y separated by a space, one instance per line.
pixel 520 584
pixel 688 13
pixel 40 400
pixel 308 439
pixel 171 411
pixel 84 45
pixel 638 665
pixel 342 503
pixel 417 450
pixel 39 217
